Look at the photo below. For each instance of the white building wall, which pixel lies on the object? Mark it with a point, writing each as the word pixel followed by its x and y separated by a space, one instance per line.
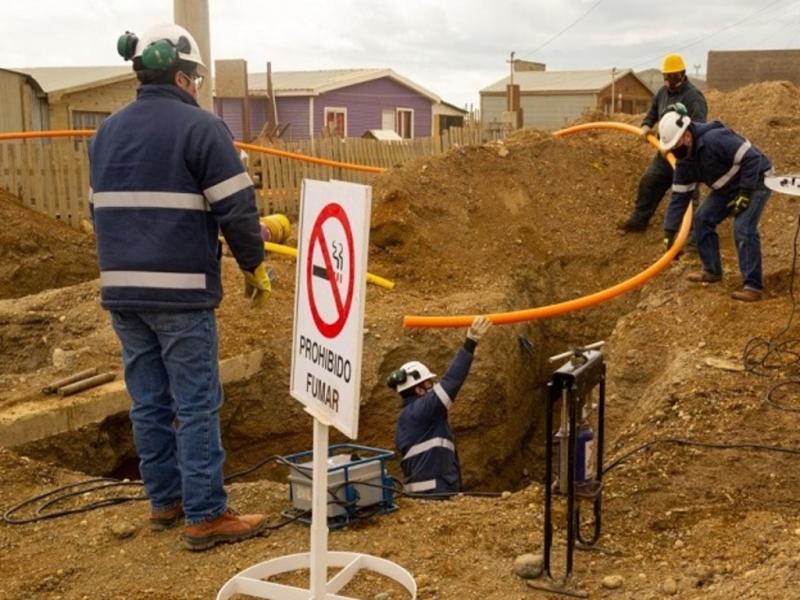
pixel 492 108
pixel 541 111
pixel 554 111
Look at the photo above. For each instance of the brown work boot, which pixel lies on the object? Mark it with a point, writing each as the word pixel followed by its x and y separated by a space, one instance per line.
pixel 230 526
pixel 164 519
pixel 747 295
pixel 702 277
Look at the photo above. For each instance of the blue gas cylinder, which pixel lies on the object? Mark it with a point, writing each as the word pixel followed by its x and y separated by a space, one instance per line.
pixel 584 453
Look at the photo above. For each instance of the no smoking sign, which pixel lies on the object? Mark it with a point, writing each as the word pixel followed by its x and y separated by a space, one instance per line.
pixel 329 301
pixel 330 270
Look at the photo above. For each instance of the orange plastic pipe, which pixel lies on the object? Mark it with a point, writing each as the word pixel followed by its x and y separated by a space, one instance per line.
pixel 561 308
pixel 311 159
pixel 25 135
pixel 57 133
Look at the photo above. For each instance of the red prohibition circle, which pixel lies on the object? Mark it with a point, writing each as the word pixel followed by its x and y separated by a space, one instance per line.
pixel 330 211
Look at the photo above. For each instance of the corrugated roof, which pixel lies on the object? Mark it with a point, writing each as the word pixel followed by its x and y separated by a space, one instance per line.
pixel 312 83
pixel 558 81
pixel 56 79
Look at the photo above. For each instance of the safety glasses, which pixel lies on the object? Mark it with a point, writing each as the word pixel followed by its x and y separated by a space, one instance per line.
pixel 197 80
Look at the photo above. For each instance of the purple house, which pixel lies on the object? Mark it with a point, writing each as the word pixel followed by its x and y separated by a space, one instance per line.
pixel 342 103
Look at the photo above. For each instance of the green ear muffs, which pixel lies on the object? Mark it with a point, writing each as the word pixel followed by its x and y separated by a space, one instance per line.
pixel 160 56
pixel 126 45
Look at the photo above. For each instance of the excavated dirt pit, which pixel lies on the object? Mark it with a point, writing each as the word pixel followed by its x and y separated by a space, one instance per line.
pixel 491 228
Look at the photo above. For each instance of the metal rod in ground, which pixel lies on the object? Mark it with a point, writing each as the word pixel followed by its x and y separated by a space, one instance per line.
pixel 85 384
pixel 52 388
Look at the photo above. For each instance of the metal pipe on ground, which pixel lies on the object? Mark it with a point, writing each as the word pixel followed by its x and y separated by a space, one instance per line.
pixel 52 388
pixel 85 384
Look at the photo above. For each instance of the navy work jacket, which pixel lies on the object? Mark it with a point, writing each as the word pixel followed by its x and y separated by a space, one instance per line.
pixel 423 436
pixel 723 160
pixel 165 178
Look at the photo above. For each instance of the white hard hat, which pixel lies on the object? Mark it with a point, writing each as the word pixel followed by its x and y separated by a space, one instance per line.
pixel 415 373
pixel 183 42
pixel 670 129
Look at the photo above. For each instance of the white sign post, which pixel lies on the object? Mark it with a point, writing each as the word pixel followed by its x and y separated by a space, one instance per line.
pixel 330 294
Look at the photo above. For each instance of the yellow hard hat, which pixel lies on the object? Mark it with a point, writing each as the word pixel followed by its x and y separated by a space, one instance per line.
pixel 277 227
pixel 673 63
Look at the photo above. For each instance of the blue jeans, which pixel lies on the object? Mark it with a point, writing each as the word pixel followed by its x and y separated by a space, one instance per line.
pixel 172 375
pixel 711 213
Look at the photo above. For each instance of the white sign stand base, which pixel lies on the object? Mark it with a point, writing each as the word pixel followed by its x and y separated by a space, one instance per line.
pixel 250 582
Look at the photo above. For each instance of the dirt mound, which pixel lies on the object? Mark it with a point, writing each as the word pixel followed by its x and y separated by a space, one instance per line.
pixel 39 253
pixel 768 114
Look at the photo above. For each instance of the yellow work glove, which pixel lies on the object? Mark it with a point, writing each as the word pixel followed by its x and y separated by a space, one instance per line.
pixel 257 286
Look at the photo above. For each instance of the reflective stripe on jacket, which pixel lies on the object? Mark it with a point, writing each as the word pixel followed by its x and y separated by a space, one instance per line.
pixel 723 160
pixel 165 178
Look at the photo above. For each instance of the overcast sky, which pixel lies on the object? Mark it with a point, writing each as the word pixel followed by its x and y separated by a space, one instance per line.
pixel 451 48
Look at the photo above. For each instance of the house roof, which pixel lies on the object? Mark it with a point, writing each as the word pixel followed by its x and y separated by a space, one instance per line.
pixel 445 108
pixel 544 82
pixel 30 80
pixel 71 79
pixel 314 83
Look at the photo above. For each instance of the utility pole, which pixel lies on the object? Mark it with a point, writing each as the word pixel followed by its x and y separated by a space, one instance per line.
pixel 193 16
pixel 697 70
pixel 613 98
pixel 513 114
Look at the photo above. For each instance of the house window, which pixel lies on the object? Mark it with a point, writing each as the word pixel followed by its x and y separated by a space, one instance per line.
pixel 387 119
pixel 336 122
pixel 405 122
pixel 87 119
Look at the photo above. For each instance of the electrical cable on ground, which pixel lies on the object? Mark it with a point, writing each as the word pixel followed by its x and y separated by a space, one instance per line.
pixel 88 486
pixel 684 442
pixel 761 356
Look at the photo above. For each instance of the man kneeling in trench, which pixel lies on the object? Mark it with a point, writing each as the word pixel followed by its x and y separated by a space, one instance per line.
pixel 423 435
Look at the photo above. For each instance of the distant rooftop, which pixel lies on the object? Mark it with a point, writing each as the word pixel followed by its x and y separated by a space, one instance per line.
pixel 56 79
pixel 559 81
pixel 313 83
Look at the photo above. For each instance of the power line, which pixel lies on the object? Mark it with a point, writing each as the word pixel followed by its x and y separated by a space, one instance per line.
pixel 720 30
pixel 791 22
pixel 567 28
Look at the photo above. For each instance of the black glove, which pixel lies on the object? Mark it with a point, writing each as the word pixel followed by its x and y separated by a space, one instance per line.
pixel 669 238
pixel 740 203
pixel 669 241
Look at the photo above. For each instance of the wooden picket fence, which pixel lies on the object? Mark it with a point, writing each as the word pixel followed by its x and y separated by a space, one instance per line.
pixel 52 175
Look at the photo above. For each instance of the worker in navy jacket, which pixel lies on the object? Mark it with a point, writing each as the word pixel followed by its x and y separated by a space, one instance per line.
pixel 734 169
pixel 165 179
pixel 423 437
